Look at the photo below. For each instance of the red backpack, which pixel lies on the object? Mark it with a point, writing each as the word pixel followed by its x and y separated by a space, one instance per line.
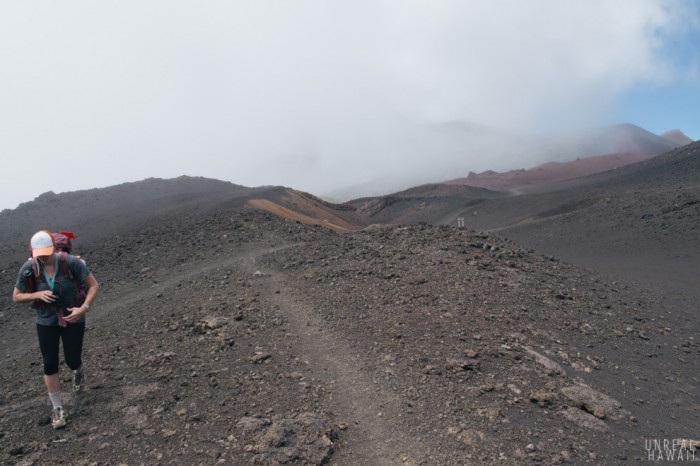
pixel 62 241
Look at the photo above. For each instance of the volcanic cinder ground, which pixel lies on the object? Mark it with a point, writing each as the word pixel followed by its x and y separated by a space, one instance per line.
pixel 228 335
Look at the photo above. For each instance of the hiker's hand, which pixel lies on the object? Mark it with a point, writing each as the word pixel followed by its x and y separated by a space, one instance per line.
pixel 47 296
pixel 75 314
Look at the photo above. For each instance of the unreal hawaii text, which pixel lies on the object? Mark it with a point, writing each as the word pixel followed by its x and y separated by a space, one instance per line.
pixel 672 450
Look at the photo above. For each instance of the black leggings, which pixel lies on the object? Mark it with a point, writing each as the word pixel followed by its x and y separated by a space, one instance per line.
pixel 72 336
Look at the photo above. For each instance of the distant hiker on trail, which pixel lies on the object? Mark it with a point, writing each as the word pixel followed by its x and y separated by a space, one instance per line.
pixel 61 290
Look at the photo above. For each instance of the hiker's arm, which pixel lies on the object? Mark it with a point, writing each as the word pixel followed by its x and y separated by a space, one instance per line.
pixel 93 286
pixel 77 312
pixel 18 296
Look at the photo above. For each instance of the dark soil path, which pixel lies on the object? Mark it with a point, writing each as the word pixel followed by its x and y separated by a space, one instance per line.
pixel 375 433
pixel 363 411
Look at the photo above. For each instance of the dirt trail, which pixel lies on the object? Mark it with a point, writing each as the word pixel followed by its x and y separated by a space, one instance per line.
pixel 373 430
pixel 133 293
pixel 20 342
pixel 376 431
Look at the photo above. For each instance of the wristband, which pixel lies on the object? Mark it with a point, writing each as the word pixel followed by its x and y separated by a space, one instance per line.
pixel 86 306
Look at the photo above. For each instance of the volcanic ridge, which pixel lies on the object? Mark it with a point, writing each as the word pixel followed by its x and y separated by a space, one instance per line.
pixel 447 324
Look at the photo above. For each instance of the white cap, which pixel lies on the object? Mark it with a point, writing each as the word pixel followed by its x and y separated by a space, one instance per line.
pixel 42 244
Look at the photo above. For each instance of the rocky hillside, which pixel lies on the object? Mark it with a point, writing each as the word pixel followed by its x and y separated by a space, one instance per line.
pixel 542 177
pixel 225 334
pixel 239 337
pixel 639 221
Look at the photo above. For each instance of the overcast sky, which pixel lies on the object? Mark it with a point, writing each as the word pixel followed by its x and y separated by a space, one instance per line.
pixel 320 94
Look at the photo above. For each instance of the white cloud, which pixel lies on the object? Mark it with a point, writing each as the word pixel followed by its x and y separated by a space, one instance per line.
pixel 310 94
pixel 511 62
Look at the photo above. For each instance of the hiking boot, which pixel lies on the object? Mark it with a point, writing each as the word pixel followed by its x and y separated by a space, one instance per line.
pixel 78 380
pixel 58 418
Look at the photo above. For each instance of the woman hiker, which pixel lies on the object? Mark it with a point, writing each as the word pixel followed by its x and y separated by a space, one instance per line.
pixel 53 282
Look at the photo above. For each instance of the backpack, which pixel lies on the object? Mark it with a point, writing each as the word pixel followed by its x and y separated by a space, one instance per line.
pixel 63 247
pixel 62 241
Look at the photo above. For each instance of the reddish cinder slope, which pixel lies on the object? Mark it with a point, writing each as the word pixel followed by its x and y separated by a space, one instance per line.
pixel 306 208
pixel 520 181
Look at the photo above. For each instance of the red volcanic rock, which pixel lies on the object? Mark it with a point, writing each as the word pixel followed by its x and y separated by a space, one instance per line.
pixel 533 179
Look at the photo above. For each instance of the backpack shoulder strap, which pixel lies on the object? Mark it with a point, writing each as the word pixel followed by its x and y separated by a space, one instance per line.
pixel 81 289
pixel 30 275
pixel 35 266
pixel 63 267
